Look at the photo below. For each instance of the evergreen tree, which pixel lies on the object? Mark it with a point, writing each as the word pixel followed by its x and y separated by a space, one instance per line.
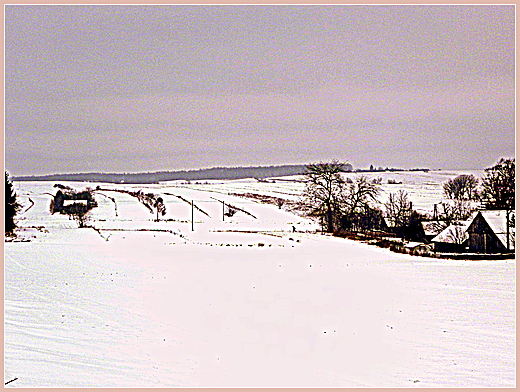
pixel 11 205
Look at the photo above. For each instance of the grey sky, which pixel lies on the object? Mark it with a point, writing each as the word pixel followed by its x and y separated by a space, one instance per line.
pixel 145 88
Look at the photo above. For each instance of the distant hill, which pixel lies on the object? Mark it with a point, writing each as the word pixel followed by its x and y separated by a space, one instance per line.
pixel 216 173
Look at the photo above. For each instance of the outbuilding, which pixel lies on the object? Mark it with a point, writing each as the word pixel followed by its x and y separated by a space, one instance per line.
pixel 452 239
pixel 488 232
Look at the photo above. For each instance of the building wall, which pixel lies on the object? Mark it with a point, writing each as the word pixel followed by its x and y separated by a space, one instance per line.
pixel 448 247
pixel 482 239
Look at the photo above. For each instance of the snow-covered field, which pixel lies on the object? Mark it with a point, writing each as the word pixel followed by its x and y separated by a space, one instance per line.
pixel 244 301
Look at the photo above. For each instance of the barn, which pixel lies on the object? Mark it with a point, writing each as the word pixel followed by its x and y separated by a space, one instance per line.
pixel 488 232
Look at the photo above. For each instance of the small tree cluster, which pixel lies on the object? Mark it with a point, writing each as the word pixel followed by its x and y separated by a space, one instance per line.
pixel 462 187
pixel 60 186
pixel 398 209
pixel 366 219
pixel 498 185
pixel 358 212
pixel 78 206
pixel 79 212
pixel 338 203
pixel 153 202
pixel 497 191
pixel 404 221
pixel 85 196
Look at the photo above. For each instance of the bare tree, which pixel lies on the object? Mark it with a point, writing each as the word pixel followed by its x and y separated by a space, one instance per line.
pixel 398 209
pixel 230 211
pixel 154 203
pixel 359 194
pixel 462 187
pixel 460 191
pixel 356 200
pixel 457 234
pixel 79 212
pixel 160 208
pixel 499 185
pixel 405 220
pixel 279 202
pixel 457 210
pixel 323 192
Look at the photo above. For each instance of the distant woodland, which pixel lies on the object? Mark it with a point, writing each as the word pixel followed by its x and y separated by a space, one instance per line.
pixel 216 173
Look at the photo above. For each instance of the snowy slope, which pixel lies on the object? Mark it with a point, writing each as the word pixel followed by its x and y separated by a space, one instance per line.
pixel 241 302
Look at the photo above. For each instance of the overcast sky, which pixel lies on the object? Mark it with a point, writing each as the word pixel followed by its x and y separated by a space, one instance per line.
pixel 146 88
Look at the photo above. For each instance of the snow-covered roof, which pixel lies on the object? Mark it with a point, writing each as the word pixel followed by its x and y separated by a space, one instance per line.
pixel 412 245
pixel 454 234
pixel 497 221
pixel 432 227
pixel 69 202
pixel 389 222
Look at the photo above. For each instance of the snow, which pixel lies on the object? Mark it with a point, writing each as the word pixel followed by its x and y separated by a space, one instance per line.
pixel 242 302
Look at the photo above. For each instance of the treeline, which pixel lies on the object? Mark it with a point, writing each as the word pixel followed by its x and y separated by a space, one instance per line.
pixel 216 173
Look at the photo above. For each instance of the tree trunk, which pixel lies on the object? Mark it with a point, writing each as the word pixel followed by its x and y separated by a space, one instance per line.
pixel 330 223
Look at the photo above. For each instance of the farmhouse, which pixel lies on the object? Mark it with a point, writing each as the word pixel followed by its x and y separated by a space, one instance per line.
pixel 488 232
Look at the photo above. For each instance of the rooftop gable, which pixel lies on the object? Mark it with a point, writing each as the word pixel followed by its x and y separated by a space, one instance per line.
pixel 497 221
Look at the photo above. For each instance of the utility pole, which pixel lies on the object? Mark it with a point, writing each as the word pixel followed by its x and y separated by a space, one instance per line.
pixel 507 228
pixel 192 217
